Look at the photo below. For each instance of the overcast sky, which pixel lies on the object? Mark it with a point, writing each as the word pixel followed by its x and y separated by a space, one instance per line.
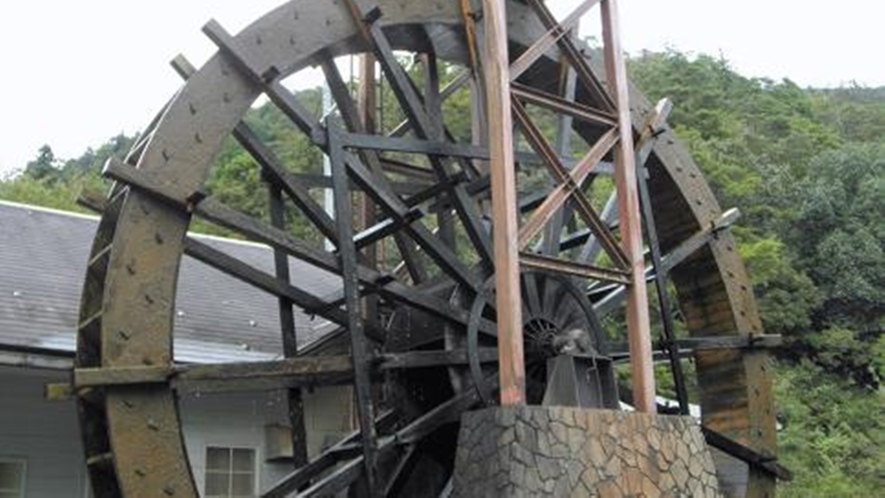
pixel 75 73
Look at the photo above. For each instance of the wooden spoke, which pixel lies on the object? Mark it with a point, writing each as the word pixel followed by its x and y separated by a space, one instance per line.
pixel 350 115
pixel 680 253
pixel 268 283
pixel 453 86
pixel 359 348
pixel 424 126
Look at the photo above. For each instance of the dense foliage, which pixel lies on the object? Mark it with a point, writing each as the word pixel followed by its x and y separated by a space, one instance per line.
pixel 807 169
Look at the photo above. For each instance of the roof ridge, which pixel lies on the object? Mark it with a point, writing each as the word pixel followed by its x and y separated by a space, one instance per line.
pixel 92 217
pixel 43 209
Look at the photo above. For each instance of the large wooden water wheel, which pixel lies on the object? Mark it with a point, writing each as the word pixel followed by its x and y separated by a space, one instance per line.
pixel 421 332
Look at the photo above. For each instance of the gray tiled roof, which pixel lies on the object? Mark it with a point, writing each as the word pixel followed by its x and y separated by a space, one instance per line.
pixel 43 257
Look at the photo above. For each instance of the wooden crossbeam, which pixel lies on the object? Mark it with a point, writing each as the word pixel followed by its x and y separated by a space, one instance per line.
pixel 575 58
pixel 555 32
pixel 558 104
pixel 585 209
pixel 566 189
pixel 411 146
pixel 540 262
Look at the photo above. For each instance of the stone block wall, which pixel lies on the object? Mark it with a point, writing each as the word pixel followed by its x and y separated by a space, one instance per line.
pixel 530 451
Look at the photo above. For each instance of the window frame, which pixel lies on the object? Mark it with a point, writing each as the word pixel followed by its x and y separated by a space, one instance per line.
pixel 22 492
pixel 256 467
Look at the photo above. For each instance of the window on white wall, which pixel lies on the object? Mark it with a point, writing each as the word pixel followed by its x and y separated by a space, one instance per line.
pixel 12 478
pixel 230 472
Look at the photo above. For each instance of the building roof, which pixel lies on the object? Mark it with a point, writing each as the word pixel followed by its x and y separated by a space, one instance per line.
pixel 43 254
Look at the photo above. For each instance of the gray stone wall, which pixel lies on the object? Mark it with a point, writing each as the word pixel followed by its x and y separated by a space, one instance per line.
pixel 558 451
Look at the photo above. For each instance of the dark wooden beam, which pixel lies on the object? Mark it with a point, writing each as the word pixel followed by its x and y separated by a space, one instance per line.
pixel 359 347
pixel 766 463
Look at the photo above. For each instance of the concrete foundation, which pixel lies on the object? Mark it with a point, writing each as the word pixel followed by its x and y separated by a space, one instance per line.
pixel 529 451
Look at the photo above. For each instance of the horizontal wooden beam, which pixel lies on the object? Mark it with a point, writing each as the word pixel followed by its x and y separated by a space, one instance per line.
pixel 302 371
pixel 561 105
pixel 688 345
pixel 540 262
pixel 413 146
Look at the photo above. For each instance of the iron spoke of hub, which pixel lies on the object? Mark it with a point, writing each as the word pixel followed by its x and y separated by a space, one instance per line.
pixel 532 293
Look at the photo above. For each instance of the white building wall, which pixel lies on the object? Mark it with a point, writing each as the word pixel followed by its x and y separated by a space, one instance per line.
pixel 46 434
pixel 43 434
pixel 238 421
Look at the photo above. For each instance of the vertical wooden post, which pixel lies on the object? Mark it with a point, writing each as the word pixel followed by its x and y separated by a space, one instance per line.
pixel 287 325
pixel 638 325
pixel 359 346
pixel 366 104
pixel 496 74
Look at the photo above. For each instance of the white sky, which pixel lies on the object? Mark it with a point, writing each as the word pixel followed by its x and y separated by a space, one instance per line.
pixel 75 73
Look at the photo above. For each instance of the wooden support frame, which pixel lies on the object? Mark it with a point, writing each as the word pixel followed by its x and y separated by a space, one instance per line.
pixel 495 65
pixel 638 320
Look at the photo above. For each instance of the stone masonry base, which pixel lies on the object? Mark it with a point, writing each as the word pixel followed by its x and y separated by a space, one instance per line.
pixel 529 451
